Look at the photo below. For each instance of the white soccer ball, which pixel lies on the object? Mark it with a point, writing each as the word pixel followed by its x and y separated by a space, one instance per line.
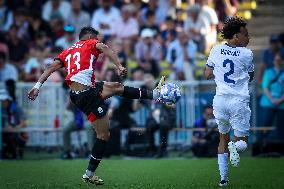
pixel 170 93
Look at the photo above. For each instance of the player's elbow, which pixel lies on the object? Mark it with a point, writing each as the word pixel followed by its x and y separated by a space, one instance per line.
pixel 208 75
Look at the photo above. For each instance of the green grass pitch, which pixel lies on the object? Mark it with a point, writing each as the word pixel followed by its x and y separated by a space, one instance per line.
pixel 255 173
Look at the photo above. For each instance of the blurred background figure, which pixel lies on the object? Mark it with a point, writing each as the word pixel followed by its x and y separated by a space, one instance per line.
pixel 6 17
pixel 181 55
pixel 104 17
pixel 205 142
pixel 78 17
pixel 68 39
pixel 161 118
pixel 7 71
pixel 148 52
pixel 126 28
pixel 273 97
pixel 77 124
pixel 13 119
pixel 268 56
pixel 197 27
pixel 58 8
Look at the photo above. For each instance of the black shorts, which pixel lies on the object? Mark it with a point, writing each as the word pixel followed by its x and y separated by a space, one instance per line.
pixel 90 101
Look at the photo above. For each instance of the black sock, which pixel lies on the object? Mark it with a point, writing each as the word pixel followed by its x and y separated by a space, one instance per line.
pixel 137 93
pixel 97 154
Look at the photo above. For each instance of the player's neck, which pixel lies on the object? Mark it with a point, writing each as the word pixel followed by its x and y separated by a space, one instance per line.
pixel 232 44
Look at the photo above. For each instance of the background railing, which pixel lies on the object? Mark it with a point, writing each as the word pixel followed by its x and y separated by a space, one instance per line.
pixel 52 100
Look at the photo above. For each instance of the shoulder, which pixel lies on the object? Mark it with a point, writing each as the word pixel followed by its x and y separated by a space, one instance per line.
pixel 246 52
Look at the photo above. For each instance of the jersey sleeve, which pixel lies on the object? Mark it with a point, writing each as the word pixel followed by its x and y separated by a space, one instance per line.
pixel 210 61
pixel 249 61
pixel 60 58
pixel 93 43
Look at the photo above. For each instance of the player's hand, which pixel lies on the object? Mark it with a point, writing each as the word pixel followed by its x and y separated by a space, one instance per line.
pixel 122 71
pixel 33 93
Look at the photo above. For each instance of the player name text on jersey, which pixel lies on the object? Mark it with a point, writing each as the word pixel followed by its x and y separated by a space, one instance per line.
pixel 228 52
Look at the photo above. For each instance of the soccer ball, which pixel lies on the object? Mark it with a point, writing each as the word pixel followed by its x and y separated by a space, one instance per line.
pixel 170 93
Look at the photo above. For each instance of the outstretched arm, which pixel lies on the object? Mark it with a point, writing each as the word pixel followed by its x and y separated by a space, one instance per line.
pixel 112 56
pixel 33 93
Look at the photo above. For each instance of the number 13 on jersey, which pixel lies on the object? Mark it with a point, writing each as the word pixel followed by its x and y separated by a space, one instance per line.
pixel 75 58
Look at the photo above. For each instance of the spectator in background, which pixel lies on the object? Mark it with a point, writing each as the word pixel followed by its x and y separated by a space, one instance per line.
pixel 57 26
pixel 205 143
pixel 126 27
pixel 32 67
pixel 148 52
pixel 6 17
pixel 21 20
pixel 210 15
pixel 104 17
pixel 273 97
pixel 38 25
pixel 7 71
pixel 160 13
pixel 76 124
pixel 58 8
pixel 161 118
pixel 268 57
pixel 150 23
pixel 197 27
pixel 78 18
pixel 169 33
pixel 225 9
pixel 117 47
pixel 57 76
pixel 18 49
pixel 68 39
pixel 13 119
pixel 181 55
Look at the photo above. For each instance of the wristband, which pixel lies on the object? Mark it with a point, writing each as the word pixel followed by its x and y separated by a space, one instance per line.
pixel 38 85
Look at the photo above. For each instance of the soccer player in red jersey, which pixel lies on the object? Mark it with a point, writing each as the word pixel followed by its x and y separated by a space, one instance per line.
pixel 87 94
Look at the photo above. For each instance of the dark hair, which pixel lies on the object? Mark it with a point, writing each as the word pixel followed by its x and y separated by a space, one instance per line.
pixel 207 107
pixel 87 30
pixel 232 26
pixel 150 13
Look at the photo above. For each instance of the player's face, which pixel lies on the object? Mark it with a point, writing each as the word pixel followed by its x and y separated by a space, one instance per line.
pixel 243 37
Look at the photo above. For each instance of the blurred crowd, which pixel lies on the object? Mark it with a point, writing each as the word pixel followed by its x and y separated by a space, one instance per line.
pixel 151 38
pixel 145 34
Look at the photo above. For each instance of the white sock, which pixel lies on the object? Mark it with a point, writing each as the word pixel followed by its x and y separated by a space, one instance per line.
pixel 223 165
pixel 89 173
pixel 241 145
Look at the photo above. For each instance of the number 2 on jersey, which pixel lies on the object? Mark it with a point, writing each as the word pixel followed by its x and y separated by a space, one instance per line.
pixel 232 69
pixel 76 57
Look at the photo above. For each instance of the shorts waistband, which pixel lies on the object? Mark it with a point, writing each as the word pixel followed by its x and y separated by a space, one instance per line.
pixel 78 92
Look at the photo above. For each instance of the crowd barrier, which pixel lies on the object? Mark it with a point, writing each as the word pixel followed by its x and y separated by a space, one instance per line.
pixel 48 112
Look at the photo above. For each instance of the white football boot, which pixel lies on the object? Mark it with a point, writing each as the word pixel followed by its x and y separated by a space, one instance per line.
pixel 234 155
pixel 157 90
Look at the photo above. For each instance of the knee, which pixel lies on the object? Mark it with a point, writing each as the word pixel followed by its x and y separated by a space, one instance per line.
pixel 103 136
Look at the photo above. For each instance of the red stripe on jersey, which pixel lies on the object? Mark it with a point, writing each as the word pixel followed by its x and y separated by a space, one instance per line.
pixel 92 117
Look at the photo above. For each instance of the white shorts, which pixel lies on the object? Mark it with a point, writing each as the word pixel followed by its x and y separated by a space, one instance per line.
pixel 232 112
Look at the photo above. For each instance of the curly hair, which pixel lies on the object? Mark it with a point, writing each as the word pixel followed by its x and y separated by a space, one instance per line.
pixel 232 26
